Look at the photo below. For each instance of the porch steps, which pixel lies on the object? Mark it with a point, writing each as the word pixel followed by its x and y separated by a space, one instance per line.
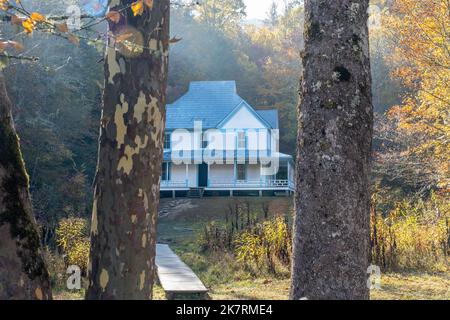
pixel 195 193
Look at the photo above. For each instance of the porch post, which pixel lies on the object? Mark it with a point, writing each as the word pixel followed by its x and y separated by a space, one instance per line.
pixel 187 175
pixel 235 173
pixel 260 175
pixel 288 172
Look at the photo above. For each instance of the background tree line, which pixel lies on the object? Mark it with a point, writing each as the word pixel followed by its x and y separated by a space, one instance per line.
pixel 58 99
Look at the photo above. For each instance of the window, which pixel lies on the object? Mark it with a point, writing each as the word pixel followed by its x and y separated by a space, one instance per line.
pixel 241 143
pixel 205 141
pixel 241 172
pixel 167 141
pixel 282 173
pixel 165 175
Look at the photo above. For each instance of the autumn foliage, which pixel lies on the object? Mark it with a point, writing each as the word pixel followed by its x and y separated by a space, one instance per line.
pixel 418 33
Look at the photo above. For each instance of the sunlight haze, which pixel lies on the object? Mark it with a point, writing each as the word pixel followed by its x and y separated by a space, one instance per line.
pixel 257 9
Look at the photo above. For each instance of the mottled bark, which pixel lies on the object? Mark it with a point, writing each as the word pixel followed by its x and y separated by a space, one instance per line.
pixel 331 242
pixel 23 274
pixel 123 235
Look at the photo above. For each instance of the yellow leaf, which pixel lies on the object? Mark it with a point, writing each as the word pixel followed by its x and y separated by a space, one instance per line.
pixel 137 7
pixel 28 25
pixel 3 5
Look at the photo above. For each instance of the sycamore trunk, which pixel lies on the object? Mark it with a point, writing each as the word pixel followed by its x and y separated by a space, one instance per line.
pixel 123 235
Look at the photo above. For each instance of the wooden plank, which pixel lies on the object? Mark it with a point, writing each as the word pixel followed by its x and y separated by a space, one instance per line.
pixel 174 275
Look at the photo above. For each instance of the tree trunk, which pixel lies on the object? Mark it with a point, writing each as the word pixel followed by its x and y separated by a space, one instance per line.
pixel 126 197
pixel 331 230
pixel 23 274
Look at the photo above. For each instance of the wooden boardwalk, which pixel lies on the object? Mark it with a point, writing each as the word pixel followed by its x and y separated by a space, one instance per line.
pixel 174 275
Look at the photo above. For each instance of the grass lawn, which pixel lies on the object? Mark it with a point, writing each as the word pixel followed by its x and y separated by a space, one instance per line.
pixel 393 287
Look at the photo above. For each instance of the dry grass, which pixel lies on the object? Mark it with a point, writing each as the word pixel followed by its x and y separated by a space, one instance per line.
pixel 414 287
pixel 393 287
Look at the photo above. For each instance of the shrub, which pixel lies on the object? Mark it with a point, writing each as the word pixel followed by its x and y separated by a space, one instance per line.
pixel 72 238
pixel 266 246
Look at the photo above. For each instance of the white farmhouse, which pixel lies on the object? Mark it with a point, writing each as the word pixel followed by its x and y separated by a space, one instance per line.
pixel 217 144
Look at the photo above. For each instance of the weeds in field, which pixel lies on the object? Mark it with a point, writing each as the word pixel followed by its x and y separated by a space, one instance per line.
pixel 414 235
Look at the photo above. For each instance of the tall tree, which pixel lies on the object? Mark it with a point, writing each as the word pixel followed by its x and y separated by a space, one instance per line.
pixel 23 274
pixel 222 14
pixel 331 242
pixel 272 15
pixel 126 197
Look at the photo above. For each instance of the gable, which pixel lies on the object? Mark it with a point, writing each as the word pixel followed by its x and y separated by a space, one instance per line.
pixel 206 101
pixel 217 105
pixel 244 117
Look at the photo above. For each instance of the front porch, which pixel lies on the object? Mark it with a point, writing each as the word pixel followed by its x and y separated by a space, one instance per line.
pixel 226 179
pixel 231 185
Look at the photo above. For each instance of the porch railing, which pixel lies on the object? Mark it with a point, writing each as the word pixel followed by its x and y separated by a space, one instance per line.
pixel 212 183
pixel 274 184
pixel 174 184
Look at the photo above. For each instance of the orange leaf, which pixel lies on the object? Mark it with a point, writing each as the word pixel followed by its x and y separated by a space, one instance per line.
pixel 74 40
pixel 62 27
pixel 114 16
pixel 16 45
pixel 149 4
pixel 15 20
pixel 175 40
pixel 36 16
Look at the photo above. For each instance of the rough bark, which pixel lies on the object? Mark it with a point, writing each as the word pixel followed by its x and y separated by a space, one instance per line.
pixel 331 242
pixel 23 274
pixel 123 233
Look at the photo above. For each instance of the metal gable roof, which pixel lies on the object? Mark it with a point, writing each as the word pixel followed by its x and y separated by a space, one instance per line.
pixel 209 102
pixel 270 115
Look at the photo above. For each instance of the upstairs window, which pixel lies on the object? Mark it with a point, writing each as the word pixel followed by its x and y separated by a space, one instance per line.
pixel 167 141
pixel 241 140
pixel 205 141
